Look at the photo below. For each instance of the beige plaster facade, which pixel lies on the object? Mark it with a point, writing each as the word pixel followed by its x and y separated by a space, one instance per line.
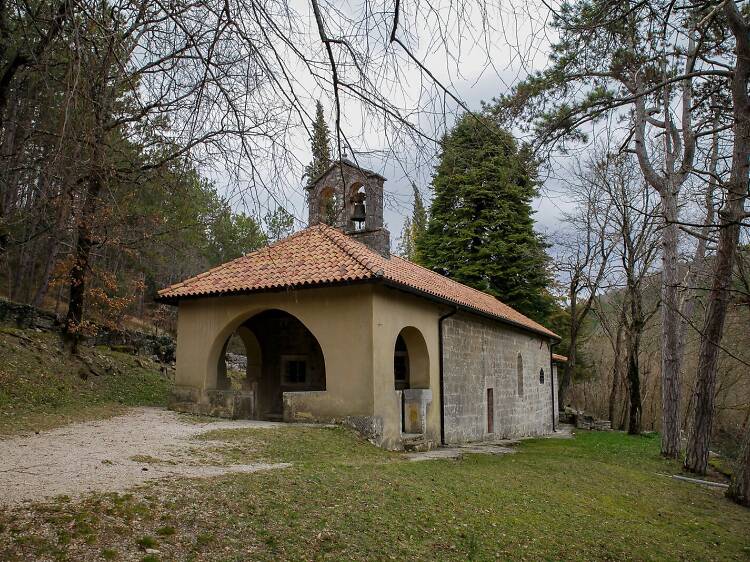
pixel 356 327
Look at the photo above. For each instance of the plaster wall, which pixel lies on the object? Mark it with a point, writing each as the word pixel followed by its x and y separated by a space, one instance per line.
pixel 340 318
pixel 481 354
pixel 392 312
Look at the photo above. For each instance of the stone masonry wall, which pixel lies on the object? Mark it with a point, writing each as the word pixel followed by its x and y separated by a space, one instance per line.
pixel 479 354
pixel 130 341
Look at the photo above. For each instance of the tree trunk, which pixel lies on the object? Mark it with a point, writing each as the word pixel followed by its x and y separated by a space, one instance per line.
pixel 670 331
pixel 635 409
pixel 567 373
pixel 730 217
pixel 80 268
pixel 739 487
pixel 616 370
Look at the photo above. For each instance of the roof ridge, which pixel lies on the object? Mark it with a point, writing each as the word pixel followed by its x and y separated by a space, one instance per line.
pixel 341 240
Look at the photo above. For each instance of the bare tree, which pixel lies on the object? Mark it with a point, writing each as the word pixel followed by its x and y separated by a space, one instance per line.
pixel 583 256
pixel 627 228
pixel 638 63
pixel 731 216
pixel 227 86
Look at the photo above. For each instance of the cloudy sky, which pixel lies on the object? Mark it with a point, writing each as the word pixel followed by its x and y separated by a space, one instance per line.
pixel 478 50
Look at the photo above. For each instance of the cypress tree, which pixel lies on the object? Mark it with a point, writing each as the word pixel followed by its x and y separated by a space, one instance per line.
pixel 413 228
pixel 480 230
pixel 418 223
pixel 406 244
pixel 320 143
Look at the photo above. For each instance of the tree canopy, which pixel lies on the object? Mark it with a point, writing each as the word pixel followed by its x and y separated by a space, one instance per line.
pixel 481 229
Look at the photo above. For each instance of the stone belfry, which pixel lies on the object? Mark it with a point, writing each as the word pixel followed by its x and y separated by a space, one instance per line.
pixel 351 199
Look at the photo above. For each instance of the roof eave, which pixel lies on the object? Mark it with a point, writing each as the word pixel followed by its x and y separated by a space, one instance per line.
pixel 465 308
pixel 175 300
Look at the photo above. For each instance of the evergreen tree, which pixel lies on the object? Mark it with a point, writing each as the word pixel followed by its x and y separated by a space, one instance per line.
pixel 279 224
pixel 480 230
pixel 320 143
pixel 413 228
pixel 418 224
pixel 406 243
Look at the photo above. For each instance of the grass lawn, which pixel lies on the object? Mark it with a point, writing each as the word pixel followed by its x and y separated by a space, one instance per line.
pixel 42 386
pixel 600 496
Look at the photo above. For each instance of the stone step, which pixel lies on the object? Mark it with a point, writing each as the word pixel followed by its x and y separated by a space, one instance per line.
pixel 415 442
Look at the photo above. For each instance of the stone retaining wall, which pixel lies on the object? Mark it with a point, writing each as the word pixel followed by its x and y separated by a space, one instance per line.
pixel 130 341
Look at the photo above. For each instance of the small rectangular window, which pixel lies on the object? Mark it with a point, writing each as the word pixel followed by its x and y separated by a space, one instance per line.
pixel 294 371
pixel 490 411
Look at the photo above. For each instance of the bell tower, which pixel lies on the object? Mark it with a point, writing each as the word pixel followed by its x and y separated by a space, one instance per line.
pixel 350 198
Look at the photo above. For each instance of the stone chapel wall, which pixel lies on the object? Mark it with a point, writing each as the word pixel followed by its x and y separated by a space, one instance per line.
pixel 481 354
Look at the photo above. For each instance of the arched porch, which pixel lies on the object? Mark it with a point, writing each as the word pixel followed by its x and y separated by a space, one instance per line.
pixel 280 355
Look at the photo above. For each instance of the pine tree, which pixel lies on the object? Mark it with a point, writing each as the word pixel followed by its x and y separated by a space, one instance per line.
pixel 418 224
pixel 480 229
pixel 413 228
pixel 320 143
pixel 406 244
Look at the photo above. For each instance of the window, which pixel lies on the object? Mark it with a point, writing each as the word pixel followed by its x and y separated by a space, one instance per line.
pixel 294 371
pixel 541 376
pixel 519 373
pixel 490 411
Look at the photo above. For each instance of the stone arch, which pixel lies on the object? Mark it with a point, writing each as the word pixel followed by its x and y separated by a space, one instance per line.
pixel 283 356
pixel 253 360
pixel 412 355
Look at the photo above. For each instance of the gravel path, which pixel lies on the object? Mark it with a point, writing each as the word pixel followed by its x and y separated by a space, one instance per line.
pixel 98 456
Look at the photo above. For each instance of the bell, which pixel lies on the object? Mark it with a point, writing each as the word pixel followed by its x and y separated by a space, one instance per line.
pixel 358 213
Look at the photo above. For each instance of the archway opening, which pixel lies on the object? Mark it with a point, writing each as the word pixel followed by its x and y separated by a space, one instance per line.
pixel 401 364
pixel 280 355
pixel 239 363
pixel 411 378
pixel 411 362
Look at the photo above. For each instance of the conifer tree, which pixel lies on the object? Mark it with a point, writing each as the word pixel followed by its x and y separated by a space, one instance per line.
pixel 413 228
pixel 418 223
pixel 320 143
pixel 406 244
pixel 480 229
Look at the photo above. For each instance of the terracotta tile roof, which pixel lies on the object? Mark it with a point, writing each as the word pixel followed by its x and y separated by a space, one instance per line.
pixel 559 358
pixel 321 255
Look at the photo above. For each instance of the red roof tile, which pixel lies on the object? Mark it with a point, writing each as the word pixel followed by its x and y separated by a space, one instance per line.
pixel 321 255
pixel 559 358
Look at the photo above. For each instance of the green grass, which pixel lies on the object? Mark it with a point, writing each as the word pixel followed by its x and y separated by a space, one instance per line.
pixel 42 386
pixel 600 496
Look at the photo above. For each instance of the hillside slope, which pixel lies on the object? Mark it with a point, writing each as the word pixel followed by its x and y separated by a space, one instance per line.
pixel 42 386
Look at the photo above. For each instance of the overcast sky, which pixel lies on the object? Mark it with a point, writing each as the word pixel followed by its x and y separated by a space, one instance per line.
pixel 478 57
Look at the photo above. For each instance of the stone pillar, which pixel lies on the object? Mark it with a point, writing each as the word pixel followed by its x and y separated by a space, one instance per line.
pixel 415 409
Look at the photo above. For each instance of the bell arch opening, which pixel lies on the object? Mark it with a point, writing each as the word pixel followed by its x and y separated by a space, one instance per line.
pixel 357 207
pixel 280 355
